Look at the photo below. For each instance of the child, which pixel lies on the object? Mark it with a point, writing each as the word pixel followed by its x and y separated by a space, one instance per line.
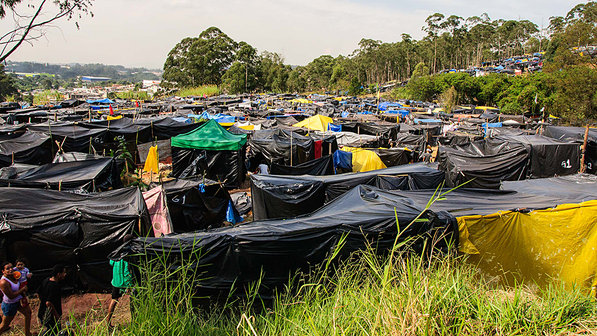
pixel 25 276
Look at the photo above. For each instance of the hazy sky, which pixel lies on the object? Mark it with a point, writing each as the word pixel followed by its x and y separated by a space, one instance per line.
pixel 142 32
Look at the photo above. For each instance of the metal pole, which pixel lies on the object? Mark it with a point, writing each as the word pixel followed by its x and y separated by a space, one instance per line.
pixel 583 166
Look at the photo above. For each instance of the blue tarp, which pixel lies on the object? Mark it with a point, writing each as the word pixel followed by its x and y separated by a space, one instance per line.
pixel 334 128
pixel 100 101
pixel 344 114
pixel 183 120
pixel 402 113
pixel 498 124
pixel 342 160
pixel 425 121
pixel 386 105
pixel 231 215
pixel 220 118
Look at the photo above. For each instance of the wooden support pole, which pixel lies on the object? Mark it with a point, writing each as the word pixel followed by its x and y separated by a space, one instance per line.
pixel 583 166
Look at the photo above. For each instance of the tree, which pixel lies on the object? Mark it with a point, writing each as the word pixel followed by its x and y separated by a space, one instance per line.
pixel 200 60
pixel 32 18
pixel 242 75
pixel 7 85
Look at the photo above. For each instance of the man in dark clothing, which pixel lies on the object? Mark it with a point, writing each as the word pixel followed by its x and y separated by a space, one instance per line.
pixel 50 301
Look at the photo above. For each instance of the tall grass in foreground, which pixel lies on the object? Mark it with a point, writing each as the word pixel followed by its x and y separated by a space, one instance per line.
pixel 442 295
pixel 208 90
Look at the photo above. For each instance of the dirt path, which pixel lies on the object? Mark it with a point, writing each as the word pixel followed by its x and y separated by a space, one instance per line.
pixel 84 308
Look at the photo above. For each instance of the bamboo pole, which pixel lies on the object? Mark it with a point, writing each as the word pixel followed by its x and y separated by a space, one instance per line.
pixel 583 166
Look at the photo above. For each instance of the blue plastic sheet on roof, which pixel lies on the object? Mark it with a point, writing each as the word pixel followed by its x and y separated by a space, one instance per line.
pixel 427 121
pixel 364 112
pixel 220 118
pixel 387 105
pixel 183 120
pixel 100 101
pixel 342 160
pixel 498 124
pixel 334 128
pixel 344 114
pixel 402 113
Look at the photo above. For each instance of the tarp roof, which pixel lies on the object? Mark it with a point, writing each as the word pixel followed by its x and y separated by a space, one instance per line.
pixel 316 123
pixel 210 136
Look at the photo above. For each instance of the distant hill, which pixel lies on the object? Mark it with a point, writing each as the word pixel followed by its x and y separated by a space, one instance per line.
pixel 72 71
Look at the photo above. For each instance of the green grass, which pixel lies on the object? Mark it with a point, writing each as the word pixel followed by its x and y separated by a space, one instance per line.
pixel 135 95
pixel 369 295
pixel 47 96
pixel 208 90
pixel 400 293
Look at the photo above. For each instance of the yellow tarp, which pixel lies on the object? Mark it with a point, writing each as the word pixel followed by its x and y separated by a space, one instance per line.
pixel 114 118
pixel 316 123
pixel 364 160
pixel 247 127
pixel 151 163
pixel 558 243
pixel 301 101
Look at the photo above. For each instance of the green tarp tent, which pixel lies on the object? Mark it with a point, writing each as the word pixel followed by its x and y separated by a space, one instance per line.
pixel 210 136
pixel 210 151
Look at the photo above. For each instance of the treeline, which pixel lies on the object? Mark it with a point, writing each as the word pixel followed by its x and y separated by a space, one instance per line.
pixel 72 71
pixel 567 86
pixel 451 42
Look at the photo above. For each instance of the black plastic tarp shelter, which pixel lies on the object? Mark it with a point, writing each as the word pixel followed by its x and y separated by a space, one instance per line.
pixel 30 148
pixel 48 227
pixel 196 205
pixel 278 196
pixel 212 152
pixel 574 188
pixel 287 148
pixel 73 137
pixel 92 175
pixel 576 135
pixel 322 166
pixel 272 250
pixel 484 164
pixel 549 157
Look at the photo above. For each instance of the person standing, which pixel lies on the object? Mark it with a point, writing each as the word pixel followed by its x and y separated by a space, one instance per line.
pixel 12 296
pixel 122 280
pixel 50 301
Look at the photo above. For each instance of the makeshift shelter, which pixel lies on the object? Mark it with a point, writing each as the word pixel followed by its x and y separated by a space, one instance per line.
pixel 48 227
pixel 212 152
pixel 277 196
pixel 483 164
pixel 288 148
pixel 322 166
pixel 548 157
pixel 93 175
pixel 269 251
pixel 197 205
pixel 315 123
pixel 73 137
pixel 29 148
pixel 364 160
pixel 576 135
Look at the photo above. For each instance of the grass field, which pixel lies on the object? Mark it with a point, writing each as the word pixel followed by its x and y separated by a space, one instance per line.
pixel 207 90
pixel 370 295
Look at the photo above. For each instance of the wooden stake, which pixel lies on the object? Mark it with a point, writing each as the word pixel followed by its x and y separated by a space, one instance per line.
pixel 583 166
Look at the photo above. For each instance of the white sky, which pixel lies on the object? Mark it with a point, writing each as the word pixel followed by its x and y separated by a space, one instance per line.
pixel 142 32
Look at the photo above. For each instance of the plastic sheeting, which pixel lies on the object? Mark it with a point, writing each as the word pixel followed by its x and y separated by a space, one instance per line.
pixel 196 205
pixel 93 175
pixel 271 251
pixel 364 160
pixel 576 135
pixel 155 199
pixel 322 166
pixel 210 136
pixel 483 164
pixel 276 196
pixel 549 157
pixel 536 246
pixel 152 160
pixel 224 166
pixel 29 148
pixel 48 227
pixel 578 187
